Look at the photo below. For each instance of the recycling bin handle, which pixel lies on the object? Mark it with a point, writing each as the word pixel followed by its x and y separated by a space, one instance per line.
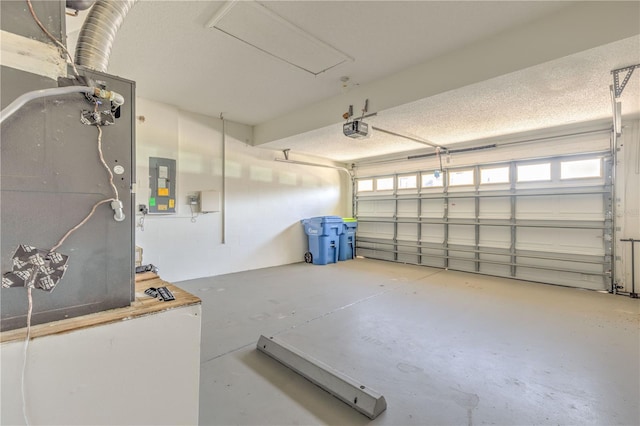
pixel 335 252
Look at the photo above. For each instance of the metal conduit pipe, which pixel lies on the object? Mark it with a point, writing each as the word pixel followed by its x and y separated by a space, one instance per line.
pixel 99 32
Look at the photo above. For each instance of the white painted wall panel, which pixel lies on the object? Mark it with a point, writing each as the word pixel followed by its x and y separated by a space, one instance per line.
pixel 140 371
pixel 265 199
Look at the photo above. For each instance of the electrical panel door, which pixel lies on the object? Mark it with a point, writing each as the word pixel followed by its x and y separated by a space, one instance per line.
pixel 162 182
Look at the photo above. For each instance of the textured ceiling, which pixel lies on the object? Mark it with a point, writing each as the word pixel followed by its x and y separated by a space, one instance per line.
pixel 573 89
pixel 167 48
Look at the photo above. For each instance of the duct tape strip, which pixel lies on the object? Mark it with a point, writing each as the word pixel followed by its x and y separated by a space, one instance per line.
pixel 365 400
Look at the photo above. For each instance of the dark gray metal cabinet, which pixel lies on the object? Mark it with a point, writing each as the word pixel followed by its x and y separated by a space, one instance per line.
pixel 50 177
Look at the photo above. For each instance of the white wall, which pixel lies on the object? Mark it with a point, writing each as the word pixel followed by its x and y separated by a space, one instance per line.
pixel 123 373
pixel 628 203
pixel 265 199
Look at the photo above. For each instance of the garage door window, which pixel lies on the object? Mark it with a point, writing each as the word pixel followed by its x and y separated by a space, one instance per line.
pixel 534 172
pixel 430 180
pixel 494 175
pixel 461 177
pixel 384 184
pixel 407 182
pixel 581 169
pixel 365 185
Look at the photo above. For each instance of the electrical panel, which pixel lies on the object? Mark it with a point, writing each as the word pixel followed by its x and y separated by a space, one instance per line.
pixel 162 183
pixel 51 177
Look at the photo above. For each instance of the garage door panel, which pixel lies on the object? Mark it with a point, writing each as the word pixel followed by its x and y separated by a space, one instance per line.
pixel 462 208
pixel 366 229
pixel 561 278
pixel 462 265
pixel 375 250
pixel 588 207
pixel 375 230
pixel 433 257
pixel 541 223
pixel 561 240
pixel 384 208
pixel 587 268
pixel 376 208
pixel 462 234
pixel 432 208
pixel 495 236
pixel 581 207
pixel 432 233
pixel 408 258
pixel 495 264
pixel 495 208
pixel 408 208
pixel 366 208
pixel 407 231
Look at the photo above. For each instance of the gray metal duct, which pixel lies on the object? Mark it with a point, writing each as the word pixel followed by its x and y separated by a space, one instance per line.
pixel 99 31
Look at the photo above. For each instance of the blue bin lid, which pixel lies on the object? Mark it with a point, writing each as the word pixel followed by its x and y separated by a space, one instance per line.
pixel 327 219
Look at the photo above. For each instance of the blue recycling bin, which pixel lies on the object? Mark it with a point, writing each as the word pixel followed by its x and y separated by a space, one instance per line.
pixel 324 239
pixel 348 239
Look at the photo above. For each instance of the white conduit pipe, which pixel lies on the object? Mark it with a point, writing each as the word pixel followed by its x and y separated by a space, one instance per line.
pixel 99 31
pixel 14 106
pixel 224 182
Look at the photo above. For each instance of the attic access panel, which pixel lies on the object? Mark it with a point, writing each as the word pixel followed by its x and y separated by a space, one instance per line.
pixel 256 25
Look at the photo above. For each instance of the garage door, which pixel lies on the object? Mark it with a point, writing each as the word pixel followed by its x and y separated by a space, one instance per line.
pixel 546 220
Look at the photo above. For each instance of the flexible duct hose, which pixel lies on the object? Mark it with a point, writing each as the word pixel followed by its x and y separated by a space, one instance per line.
pixel 99 31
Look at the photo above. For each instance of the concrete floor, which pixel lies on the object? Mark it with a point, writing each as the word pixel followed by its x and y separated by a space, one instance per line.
pixel 443 347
